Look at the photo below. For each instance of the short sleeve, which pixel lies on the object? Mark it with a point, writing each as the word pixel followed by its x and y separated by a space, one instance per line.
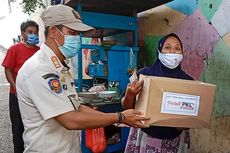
pixel 48 95
pixel 10 58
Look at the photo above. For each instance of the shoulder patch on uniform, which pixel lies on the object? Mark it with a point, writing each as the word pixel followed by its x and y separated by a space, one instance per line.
pixel 55 85
pixel 50 75
pixel 55 61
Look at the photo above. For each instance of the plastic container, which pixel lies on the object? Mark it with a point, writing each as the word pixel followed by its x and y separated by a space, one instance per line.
pixel 107 95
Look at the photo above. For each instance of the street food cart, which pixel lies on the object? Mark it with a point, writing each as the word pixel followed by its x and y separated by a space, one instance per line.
pixel 113 61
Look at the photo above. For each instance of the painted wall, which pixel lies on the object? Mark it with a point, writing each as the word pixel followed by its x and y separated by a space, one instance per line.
pixel 204 27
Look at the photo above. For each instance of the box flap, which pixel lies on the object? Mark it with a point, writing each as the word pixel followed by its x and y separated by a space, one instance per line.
pixel 142 99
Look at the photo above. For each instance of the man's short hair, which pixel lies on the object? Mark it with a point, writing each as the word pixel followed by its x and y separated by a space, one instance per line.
pixel 28 23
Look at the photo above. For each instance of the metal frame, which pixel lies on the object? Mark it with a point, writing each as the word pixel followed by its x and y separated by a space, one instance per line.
pixel 101 21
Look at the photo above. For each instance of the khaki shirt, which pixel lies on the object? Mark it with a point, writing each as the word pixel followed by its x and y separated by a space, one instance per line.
pixel 45 89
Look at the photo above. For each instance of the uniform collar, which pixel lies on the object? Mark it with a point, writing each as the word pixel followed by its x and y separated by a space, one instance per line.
pixel 54 61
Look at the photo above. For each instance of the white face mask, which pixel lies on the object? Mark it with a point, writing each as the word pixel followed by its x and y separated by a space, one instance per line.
pixel 170 60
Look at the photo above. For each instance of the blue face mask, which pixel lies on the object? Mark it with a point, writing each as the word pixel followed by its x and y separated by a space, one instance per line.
pixel 33 39
pixel 71 45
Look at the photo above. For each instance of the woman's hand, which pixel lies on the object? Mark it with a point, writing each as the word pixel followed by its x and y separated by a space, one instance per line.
pixel 134 88
pixel 133 118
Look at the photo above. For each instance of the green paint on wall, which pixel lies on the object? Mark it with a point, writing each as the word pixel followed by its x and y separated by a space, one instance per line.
pixel 147 54
pixel 208 7
pixel 217 72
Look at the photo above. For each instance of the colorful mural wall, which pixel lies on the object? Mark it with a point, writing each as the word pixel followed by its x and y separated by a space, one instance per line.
pixel 204 27
pixel 201 25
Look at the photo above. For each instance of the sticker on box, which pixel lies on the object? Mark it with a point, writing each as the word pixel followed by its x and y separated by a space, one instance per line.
pixel 180 104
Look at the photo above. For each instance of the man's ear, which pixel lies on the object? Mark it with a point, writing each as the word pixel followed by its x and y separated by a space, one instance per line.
pixel 53 33
pixel 23 36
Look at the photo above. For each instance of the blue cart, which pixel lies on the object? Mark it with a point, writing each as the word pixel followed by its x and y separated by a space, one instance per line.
pixel 115 62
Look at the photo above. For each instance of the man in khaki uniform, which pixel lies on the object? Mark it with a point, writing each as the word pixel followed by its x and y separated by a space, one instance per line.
pixel 51 112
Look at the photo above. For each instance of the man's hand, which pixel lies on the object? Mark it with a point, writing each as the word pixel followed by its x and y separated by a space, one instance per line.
pixel 132 118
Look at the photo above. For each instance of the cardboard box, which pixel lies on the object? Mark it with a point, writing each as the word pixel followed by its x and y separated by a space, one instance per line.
pixel 176 102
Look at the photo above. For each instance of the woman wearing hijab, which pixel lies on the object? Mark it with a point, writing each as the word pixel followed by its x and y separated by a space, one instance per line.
pixel 159 139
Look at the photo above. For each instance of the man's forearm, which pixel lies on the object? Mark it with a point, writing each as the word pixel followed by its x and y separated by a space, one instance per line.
pixel 84 118
pixel 9 76
pixel 86 109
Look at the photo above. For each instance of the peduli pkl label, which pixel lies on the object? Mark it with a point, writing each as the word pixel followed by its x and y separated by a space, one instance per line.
pixel 180 104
